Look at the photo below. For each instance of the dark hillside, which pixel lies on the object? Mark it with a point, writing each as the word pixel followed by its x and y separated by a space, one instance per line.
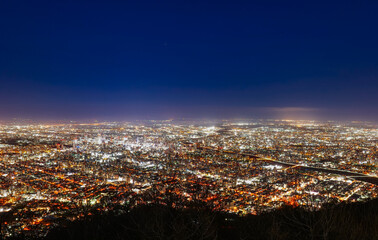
pixel 342 221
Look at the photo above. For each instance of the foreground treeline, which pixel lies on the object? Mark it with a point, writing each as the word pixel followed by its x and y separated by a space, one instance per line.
pixel 335 221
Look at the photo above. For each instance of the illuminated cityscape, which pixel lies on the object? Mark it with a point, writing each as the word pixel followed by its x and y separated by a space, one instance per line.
pixel 188 120
pixel 49 172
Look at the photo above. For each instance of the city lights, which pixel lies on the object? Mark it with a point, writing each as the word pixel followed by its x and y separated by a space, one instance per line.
pixel 245 167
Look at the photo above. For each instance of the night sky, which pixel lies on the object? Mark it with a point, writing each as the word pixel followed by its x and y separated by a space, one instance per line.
pixel 121 60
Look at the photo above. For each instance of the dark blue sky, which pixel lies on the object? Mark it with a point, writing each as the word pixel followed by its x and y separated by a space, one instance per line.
pixel 162 59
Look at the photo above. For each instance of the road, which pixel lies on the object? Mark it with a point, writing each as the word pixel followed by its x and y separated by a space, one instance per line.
pixel 357 176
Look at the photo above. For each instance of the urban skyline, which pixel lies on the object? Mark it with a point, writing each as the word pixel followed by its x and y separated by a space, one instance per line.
pixel 188 119
pixel 55 172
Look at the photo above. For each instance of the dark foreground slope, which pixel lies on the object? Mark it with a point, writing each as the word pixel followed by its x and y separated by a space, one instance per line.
pixel 342 221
